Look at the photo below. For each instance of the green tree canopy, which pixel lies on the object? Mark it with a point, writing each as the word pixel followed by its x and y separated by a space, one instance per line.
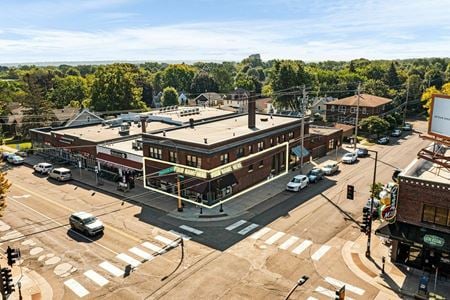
pixel 178 76
pixel 374 125
pixel 427 96
pixel 202 82
pixel 67 89
pixel 169 96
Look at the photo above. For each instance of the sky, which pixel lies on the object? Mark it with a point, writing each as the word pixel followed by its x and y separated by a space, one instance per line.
pixel 230 30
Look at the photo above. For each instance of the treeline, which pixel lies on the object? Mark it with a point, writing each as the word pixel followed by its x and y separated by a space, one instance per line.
pixel 129 86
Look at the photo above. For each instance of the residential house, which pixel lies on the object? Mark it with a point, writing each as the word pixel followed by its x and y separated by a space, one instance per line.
pixel 209 99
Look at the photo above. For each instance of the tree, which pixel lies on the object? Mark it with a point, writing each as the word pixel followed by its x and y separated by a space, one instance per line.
pixel 115 88
pixel 224 74
pixel 4 187
pixel 374 125
pixel 67 89
pixel 169 96
pixel 376 87
pixel 427 96
pixel 377 188
pixel 392 79
pixel 178 76
pixel 392 121
pixel 242 80
pixel 202 82
pixel 72 72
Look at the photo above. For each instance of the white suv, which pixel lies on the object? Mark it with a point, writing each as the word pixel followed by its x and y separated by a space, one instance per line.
pixel 350 158
pixel 60 174
pixel 43 168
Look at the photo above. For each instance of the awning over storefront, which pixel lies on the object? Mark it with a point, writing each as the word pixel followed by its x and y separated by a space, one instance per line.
pixel 298 151
pixel 409 233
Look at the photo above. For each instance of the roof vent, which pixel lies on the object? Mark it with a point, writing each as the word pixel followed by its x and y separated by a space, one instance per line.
pixel 206 140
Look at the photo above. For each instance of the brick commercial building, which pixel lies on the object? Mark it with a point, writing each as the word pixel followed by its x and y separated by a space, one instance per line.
pixel 344 110
pixel 421 232
pixel 221 158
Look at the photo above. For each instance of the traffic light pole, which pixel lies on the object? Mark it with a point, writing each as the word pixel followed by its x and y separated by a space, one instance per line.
pixel 369 230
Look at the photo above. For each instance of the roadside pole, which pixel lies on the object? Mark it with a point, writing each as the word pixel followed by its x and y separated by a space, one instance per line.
pixel 406 102
pixel 369 230
pixel 357 116
pixel 302 128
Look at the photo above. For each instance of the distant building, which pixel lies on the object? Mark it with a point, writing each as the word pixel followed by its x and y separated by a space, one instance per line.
pixel 344 110
pixel 208 99
pixel 182 99
pixel 319 106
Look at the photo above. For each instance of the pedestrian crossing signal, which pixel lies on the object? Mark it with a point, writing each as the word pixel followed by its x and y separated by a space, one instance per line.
pixel 350 192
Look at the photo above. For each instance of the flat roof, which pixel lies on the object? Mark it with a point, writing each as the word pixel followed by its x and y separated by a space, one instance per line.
pixel 180 116
pixel 124 146
pixel 323 130
pixel 427 170
pixel 226 129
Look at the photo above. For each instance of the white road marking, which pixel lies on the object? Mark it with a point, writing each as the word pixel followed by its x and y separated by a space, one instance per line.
pixel 95 277
pixel 128 259
pixel 274 238
pixel 328 293
pixel 190 229
pixel 302 247
pixel 260 233
pixel 319 253
pixel 311 298
pixel 23 196
pixel 76 287
pixel 236 225
pixel 164 240
pixel 12 236
pixel 289 242
pixel 248 229
pixel 112 269
pixel 4 226
pixel 153 247
pixel 180 235
pixel 348 287
pixel 141 253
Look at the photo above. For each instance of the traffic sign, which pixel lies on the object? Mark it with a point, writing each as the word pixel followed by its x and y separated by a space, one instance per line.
pixel 166 171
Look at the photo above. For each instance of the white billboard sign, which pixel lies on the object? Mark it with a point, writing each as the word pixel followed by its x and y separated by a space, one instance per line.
pixel 440 116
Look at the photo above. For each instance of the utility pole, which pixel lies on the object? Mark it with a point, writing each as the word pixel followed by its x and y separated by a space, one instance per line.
pixel 302 127
pixel 357 116
pixel 372 200
pixel 406 102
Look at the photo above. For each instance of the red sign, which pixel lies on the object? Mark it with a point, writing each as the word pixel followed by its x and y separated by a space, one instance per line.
pixel 389 212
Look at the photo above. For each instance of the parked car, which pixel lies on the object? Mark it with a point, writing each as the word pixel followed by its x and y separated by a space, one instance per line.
pixel 407 127
pixel 22 153
pixel 330 168
pixel 5 155
pixel 297 183
pixel 362 152
pixel 350 158
pixel 86 223
pixel 15 159
pixel 384 140
pixel 315 175
pixel 60 174
pixel 396 133
pixel 43 168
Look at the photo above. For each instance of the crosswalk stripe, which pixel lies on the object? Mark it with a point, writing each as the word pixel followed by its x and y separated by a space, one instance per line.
pixel 288 242
pixel 348 287
pixel 248 229
pixel 141 253
pixel 128 259
pixel 328 293
pixel 95 277
pixel 319 253
pixel 274 238
pixel 76 287
pixel 260 233
pixel 311 298
pixel 112 269
pixel 190 229
pixel 236 225
pixel 152 247
pixel 302 247
pixel 164 240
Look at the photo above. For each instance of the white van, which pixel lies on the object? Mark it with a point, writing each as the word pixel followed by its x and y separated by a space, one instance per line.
pixel 43 168
pixel 60 174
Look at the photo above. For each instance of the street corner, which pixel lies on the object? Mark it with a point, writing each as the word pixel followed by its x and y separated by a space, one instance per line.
pixel 31 285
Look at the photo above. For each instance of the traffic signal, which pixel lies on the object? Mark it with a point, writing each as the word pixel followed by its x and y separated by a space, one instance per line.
pixel 7 281
pixel 366 220
pixel 340 294
pixel 13 255
pixel 350 192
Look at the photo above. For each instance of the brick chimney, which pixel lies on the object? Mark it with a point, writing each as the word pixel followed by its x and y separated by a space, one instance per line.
pixel 144 124
pixel 251 113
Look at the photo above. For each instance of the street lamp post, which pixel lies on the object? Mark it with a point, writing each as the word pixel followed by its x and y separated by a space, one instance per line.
pixel 372 196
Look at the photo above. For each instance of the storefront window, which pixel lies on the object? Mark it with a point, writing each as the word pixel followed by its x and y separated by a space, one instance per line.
pixel 428 213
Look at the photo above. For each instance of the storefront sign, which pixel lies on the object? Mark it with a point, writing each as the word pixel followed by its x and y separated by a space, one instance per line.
pixel 389 212
pixel 190 172
pixel 433 240
pixel 226 170
pixel 394 195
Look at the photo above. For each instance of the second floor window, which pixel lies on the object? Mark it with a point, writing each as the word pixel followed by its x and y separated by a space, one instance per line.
pixel 224 158
pixel 172 156
pixel 436 215
pixel 341 109
pixel 291 135
pixel 155 153
pixel 261 146
pixel 332 107
pixel 353 110
pixel 250 149
pixel 240 152
pixel 364 111
pixel 193 161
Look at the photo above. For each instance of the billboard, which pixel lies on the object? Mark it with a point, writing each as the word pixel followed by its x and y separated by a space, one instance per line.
pixel 439 124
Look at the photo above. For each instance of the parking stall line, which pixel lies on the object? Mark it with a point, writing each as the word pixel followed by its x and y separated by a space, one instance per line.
pixel 289 242
pixel 348 287
pixel 248 229
pixel 274 238
pixel 302 247
pixel 321 252
pixel 190 229
pixel 112 269
pixel 95 277
pixel 236 225
pixel 128 259
pixel 141 253
pixel 260 233
pixel 153 247
pixel 76 287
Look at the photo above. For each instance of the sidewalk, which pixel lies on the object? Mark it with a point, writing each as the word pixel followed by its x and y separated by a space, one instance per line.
pixel 398 281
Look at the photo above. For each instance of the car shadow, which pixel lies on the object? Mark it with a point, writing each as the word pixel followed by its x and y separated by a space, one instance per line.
pixel 56 182
pixel 40 175
pixel 79 237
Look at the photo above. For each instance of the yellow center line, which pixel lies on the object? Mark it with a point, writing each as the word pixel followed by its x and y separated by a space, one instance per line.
pixel 71 210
